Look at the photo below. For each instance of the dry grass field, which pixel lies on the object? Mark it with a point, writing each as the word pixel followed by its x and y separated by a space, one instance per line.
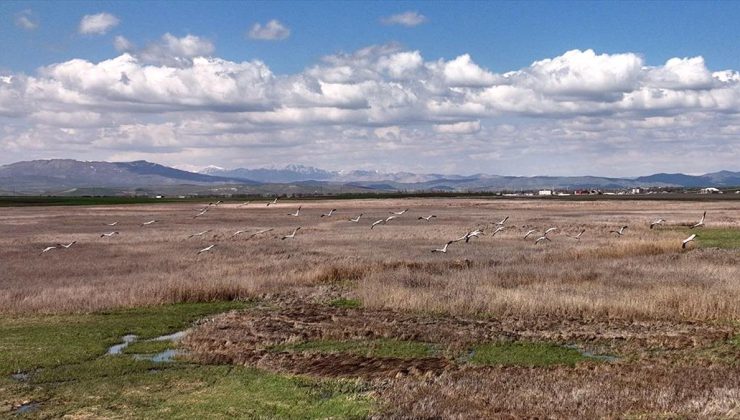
pixel 644 274
pixel 379 306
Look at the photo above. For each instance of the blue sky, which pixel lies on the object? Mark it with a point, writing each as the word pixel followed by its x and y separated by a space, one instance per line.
pixel 459 88
pixel 499 35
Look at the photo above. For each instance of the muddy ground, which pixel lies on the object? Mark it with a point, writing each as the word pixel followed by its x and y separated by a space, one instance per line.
pixel 660 367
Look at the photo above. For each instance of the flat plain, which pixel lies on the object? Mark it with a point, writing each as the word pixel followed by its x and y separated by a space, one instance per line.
pixel 358 322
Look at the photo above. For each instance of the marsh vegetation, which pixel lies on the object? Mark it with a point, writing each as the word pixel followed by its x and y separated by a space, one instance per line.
pixel 356 322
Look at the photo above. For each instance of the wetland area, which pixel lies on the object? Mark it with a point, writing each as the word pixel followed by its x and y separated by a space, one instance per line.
pixel 344 321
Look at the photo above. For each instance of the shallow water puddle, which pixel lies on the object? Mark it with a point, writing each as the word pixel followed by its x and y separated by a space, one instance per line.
pixel 27 407
pixel 118 348
pixel 161 357
pixel 21 376
pixel 171 337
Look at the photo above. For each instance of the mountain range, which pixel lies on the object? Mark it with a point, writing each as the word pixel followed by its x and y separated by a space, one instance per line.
pixel 477 182
pixel 67 176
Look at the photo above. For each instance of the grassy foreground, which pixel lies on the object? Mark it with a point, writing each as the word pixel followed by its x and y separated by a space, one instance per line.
pixel 68 373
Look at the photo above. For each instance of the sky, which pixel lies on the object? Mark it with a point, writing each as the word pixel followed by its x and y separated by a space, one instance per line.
pixel 510 88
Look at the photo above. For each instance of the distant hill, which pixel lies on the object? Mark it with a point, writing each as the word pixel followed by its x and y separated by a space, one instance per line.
pixel 478 182
pixel 61 174
pixel 290 173
pixel 715 179
pixel 296 173
pixel 72 177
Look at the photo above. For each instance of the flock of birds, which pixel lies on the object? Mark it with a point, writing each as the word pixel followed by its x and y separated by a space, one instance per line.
pixel 497 227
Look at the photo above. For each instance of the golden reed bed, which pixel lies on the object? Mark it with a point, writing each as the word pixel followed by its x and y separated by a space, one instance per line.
pixel 643 274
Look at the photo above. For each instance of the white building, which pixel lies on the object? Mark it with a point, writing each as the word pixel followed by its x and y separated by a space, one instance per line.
pixel 710 190
pixel 545 192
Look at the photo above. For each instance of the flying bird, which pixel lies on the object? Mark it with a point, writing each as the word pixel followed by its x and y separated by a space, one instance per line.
pixel 377 222
pixel 541 239
pixel 656 222
pixel 529 232
pixel 701 222
pixel 216 203
pixel 109 234
pixel 444 248
pixel 151 222
pixel 258 233
pixel 619 232
pixel 501 223
pixel 246 203
pixel 398 213
pixel 238 232
pixel 272 202
pixel 427 218
pixel 498 229
pixel 552 229
pixel 292 235
pixel 389 218
pixel 297 212
pixel 199 233
pixel 206 249
pixel 48 248
pixel 202 212
pixel 112 224
pixel 329 214
pixel 687 240
pixel 67 245
pixel 577 237
pixel 472 234
pixel 356 219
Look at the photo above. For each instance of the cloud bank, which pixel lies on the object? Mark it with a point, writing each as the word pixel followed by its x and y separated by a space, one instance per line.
pixel 381 107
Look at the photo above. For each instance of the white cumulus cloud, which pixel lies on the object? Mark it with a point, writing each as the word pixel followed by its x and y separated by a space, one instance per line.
pixel 175 96
pixel 98 24
pixel 410 18
pixel 176 52
pixel 121 44
pixel 464 127
pixel 270 31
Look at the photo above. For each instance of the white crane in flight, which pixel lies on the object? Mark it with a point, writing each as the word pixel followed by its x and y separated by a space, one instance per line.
pixel 701 222
pixel 292 235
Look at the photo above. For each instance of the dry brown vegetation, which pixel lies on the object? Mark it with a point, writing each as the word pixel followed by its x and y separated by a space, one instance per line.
pixel 643 274
pixel 670 315
pixel 663 368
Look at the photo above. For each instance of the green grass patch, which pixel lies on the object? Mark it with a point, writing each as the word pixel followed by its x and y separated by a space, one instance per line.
pixel 370 348
pixel 118 387
pixel 28 343
pixel 70 375
pixel 524 354
pixel 735 341
pixel 718 238
pixel 345 303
